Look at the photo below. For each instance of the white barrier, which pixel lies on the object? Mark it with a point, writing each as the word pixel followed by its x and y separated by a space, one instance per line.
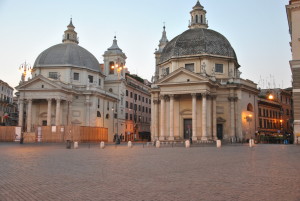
pixel 219 143
pixel 129 144
pixel 157 144
pixel 187 144
pixel 102 145
pixel 75 145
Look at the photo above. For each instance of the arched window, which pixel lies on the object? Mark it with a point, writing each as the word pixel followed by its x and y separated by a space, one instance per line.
pixel 201 19
pixel 98 114
pixel 196 18
pixel 111 68
pixel 68 36
pixel 250 107
pixel 107 116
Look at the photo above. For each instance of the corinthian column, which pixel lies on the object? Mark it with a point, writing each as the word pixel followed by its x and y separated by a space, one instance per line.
pixel 162 118
pixel 57 116
pixel 29 115
pixel 49 112
pixel 21 112
pixel 194 116
pixel 204 132
pixel 156 118
pixel 214 114
pixel 171 117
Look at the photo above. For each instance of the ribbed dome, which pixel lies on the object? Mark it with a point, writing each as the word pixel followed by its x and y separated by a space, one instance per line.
pixel 67 54
pixel 198 41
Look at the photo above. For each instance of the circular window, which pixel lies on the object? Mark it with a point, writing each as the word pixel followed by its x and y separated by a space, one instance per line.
pixel 110 90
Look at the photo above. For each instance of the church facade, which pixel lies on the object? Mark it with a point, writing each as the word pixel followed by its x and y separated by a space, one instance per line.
pixel 198 93
pixel 70 87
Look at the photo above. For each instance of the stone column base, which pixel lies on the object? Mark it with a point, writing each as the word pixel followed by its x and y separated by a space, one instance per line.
pixel 161 138
pixel 204 138
pixel 171 138
pixel 296 131
pixel 194 138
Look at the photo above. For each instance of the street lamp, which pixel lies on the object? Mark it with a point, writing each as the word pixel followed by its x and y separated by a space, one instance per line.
pixel 24 69
pixel 249 119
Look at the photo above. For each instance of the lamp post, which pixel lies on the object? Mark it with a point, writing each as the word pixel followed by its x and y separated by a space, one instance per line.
pixel 249 119
pixel 119 67
pixel 24 69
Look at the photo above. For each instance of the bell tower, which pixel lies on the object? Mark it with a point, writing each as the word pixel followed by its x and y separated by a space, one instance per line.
pixel 198 17
pixel 70 35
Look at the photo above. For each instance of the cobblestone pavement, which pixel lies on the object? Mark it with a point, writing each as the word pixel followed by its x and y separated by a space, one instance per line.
pixel 234 172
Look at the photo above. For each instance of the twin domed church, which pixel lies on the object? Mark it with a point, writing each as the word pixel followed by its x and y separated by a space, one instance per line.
pixel 197 91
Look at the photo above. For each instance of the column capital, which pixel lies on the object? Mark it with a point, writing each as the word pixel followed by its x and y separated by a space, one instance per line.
pixel 161 97
pixel 155 102
pixel 233 99
pixel 49 99
pixel 213 96
pixel 58 99
pixel 29 99
pixel 193 94
pixel 204 94
pixel 171 96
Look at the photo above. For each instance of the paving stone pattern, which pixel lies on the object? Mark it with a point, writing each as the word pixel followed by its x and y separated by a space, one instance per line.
pixel 235 172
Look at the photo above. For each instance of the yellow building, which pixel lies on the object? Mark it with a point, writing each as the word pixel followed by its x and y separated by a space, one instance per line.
pixel 198 92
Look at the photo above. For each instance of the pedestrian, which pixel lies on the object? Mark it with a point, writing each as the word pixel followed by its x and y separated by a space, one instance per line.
pixel 121 137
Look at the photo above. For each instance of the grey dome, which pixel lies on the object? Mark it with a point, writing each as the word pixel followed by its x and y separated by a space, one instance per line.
pixel 198 41
pixel 67 54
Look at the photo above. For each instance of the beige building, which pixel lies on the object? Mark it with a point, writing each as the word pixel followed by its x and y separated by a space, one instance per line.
pixel 6 103
pixel 66 88
pixel 133 108
pixel 198 92
pixel 293 15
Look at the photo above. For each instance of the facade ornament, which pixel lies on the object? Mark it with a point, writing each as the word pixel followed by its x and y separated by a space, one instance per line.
pixel 230 73
pixel 203 69
pixel 213 71
pixel 164 72
pixel 239 73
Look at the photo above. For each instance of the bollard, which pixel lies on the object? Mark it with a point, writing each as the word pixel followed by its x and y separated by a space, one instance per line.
pixel 187 144
pixel 102 145
pixel 148 144
pixel 219 143
pixel 129 144
pixel 157 144
pixel 75 145
pixel 68 145
pixel 250 143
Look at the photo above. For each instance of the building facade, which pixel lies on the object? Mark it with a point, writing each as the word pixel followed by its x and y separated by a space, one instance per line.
pixel 66 88
pixel 6 104
pixel 133 108
pixel 293 15
pixel 198 93
pixel 275 113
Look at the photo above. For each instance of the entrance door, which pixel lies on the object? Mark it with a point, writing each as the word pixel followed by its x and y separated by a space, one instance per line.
pixel 187 128
pixel 220 131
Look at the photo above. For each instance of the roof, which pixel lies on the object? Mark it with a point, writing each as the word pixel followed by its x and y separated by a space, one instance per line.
pixel 199 41
pixel 67 54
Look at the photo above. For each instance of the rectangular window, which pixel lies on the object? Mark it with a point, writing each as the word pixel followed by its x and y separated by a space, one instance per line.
pixel 130 116
pixel 135 96
pixel 91 79
pixel 131 105
pixel 126 116
pixel 76 76
pixel 126 92
pixel 130 94
pixel 189 67
pixel 126 104
pixel 99 82
pixel 219 68
pixel 168 71
pixel 53 75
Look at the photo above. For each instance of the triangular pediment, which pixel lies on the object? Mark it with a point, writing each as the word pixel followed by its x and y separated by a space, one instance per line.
pixel 38 83
pixel 182 75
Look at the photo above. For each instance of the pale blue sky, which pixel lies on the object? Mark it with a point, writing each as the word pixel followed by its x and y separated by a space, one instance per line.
pixel 256 29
